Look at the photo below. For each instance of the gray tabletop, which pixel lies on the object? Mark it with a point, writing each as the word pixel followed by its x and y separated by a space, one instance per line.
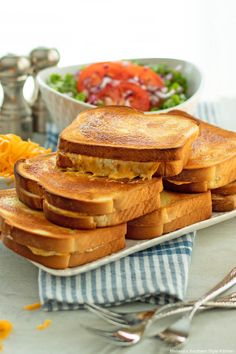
pixel 212 331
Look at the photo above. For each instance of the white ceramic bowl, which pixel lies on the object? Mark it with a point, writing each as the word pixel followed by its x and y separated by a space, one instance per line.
pixel 6 183
pixel 64 109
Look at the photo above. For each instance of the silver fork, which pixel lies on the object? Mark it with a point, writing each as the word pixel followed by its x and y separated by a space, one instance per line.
pixel 174 334
pixel 178 332
pixel 134 334
pixel 127 320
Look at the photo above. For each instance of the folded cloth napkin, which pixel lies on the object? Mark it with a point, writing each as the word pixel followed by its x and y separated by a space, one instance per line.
pixel 156 275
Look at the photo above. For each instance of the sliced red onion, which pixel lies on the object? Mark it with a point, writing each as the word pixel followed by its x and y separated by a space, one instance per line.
pixel 164 89
pixel 128 93
pixel 133 80
pixel 86 81
pixel 106 80
pixel 151 88
pixel 165 95
pixel 154 100
pixel 92 99
pixel 178 67
pixel 169 76
pixel 95 89
pixel 127 103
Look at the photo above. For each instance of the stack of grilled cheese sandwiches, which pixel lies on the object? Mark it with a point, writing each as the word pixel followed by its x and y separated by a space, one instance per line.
pixel 105 183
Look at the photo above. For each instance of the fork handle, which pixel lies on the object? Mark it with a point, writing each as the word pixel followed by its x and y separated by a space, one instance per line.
pixel 226 283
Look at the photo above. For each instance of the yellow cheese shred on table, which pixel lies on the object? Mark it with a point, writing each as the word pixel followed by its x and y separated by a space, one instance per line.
pixel 44 325
pixel 13 148
pixel 5 329
pixel 32 307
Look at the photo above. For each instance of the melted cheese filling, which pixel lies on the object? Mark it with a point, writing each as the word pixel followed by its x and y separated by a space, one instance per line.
pixel 40 252
pixel 115 169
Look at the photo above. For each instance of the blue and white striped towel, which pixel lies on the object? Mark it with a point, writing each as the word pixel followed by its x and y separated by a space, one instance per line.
pixel 156 275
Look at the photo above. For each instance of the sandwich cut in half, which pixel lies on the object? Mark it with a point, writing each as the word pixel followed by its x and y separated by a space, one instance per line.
pixel 28 233
pixel 212 162
pixel 121 142
pixel 82 201
pixel 224 198
pixel 177 210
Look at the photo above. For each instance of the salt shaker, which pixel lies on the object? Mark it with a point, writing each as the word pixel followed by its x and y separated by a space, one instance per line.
pixel 15 114
pixel 41 58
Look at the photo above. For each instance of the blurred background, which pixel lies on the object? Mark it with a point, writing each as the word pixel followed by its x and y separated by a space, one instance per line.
pixel 202 31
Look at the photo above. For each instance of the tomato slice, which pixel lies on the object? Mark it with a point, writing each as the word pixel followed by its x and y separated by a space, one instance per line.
pixel 110 95
pixel 92 75
pixel 125 93
pixel 135 96
pixel 145 76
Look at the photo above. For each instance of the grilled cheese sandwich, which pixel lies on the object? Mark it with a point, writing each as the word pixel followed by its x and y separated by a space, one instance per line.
pixel 121 142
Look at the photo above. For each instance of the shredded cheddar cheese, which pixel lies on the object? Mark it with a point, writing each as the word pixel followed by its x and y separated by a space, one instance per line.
pixel 5 329
pixel 32 307
pixel 44 325
pixel 13 148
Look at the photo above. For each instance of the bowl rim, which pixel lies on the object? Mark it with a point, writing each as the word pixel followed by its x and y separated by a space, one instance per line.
pixel 42 82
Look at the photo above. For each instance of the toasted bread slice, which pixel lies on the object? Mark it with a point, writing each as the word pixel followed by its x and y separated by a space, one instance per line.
pixel 227 189
pixel 224 198
pixel 221 202
pixel 177 211
pixel 39 179
pixel 212 162
pixel 121 142
pixel 65 260
pixel 76 220
pixel 30 234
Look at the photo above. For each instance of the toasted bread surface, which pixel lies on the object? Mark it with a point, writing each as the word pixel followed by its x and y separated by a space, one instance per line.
pixel 221 202
pixel 123 133
pixel 212 160
pixel 78 192
pixel 66 260
pixel 31 228
pixel 177 210
pixel 227 189
pixel 77 220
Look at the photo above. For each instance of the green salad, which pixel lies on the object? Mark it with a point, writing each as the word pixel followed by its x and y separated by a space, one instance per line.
pixel 147 88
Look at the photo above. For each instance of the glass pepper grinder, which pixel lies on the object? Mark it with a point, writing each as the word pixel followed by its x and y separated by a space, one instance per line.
pixel 41 58
pixel 15 113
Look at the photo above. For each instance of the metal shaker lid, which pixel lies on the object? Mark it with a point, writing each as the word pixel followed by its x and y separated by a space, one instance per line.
pixel 43 57
pixel 14 67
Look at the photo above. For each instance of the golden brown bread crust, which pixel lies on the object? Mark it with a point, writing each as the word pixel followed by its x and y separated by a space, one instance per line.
pixel 165 168
pixel 223 203
pixel 31 228
pixel 228 189
pixel 195 187
pixel 224 174
pixel 72 191
pixel 83 221
pixel 66 261
pixel 33 201
pixel 212 162
pixel 126 134
pixel 177 211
